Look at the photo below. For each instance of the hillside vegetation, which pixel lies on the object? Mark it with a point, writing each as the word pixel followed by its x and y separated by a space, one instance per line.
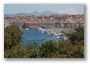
pixel 72 48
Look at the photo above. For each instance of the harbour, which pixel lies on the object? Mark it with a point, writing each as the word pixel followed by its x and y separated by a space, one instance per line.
pixel 44 30
pixel 35 35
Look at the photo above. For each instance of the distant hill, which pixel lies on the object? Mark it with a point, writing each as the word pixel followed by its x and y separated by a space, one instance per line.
pixel 47 13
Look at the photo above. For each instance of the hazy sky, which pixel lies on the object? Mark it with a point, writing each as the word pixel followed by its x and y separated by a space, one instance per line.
pixel 28 8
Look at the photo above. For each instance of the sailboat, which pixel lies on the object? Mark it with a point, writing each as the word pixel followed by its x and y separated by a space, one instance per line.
pixel 57 36
pixel 27 29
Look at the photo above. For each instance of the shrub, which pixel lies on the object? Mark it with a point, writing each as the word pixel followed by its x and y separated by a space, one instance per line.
pixel 77 35
pixel 12 36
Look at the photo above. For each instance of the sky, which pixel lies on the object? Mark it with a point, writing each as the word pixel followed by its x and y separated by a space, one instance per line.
pixel 59 8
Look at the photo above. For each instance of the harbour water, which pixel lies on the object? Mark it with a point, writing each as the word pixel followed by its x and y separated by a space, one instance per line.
pixel 34 35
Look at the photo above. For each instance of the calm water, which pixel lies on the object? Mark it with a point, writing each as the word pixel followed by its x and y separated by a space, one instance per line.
pixel 36 36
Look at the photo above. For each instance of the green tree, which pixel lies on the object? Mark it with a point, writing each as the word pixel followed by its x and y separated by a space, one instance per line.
pixel 12 36
pixel 77 34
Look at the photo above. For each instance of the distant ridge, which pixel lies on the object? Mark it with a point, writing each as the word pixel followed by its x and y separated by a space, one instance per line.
pixel 35 13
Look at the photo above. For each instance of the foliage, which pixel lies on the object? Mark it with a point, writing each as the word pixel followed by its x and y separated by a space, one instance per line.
pixel 18 51
pixel 49 49
pixel 77 35
pixel 33 45
pixel 12 36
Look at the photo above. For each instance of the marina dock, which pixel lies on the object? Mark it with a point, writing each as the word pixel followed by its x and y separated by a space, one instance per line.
pixel 55 32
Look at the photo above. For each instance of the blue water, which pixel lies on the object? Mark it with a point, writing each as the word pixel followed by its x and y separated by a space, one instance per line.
pixel 34 35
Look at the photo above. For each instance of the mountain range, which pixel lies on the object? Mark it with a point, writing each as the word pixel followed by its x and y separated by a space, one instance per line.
pixel 47 13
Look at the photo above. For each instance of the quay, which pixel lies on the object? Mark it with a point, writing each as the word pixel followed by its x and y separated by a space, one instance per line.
pixel 55 32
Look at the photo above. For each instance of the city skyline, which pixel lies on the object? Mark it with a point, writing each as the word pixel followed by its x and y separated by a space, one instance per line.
pixel 58 8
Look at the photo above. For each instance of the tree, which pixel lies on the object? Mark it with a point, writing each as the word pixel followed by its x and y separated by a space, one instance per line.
pixel 77 34
pixel 12 36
